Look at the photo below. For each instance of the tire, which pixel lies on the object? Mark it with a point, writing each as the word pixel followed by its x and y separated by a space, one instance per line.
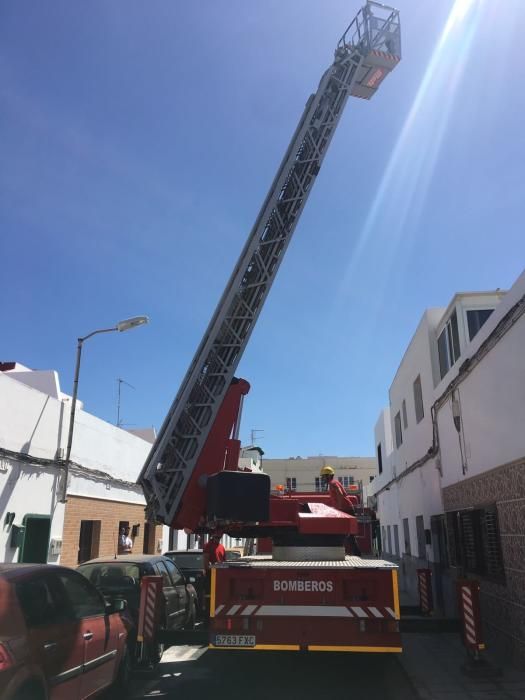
pixel 121 682
pixel 30 691
pixel 190 624
pixel 157 653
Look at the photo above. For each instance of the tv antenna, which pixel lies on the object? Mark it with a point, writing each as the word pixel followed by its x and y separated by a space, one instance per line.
pixel 120 382
pixel 254 436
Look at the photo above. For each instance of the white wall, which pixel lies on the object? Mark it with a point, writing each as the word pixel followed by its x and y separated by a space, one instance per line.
pixel 492 401
pixel 36 424
pixel 383 436
pixel 417 438
pixel 27 489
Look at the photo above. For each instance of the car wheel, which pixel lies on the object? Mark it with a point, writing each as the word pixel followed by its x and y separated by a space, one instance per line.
pixel 190 624
pixel 30 691
pixel 124 672
pixel 158 651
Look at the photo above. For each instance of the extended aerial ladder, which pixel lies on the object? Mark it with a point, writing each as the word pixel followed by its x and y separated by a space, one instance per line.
pixel 175 468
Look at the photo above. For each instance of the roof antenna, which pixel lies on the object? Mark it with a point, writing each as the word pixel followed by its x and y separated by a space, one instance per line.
pixel 120 382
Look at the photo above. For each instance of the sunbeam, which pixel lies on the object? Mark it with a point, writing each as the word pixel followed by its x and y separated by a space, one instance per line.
pixel 396 208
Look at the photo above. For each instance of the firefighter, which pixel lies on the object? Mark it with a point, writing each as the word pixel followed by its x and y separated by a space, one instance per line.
pixel 213 553
pixel 340 500
pixel 338 497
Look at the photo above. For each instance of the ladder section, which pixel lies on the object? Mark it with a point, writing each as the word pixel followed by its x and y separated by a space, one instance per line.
pixel 173 457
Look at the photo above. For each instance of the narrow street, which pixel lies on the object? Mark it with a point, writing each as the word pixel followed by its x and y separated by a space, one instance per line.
pixel 194 672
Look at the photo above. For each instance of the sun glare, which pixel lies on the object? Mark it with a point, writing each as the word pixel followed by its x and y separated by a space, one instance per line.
pixel 395 210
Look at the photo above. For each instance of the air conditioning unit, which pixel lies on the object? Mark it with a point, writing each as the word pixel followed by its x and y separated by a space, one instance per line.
pixel 55 547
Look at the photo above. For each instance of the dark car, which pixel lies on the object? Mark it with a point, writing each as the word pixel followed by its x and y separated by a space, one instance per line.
pixel 120 577
pixel 191 563
pixel 58 636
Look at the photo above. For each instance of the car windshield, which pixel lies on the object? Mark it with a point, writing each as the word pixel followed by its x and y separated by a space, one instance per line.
pixel 232 555
pixel 187 560
pixel 116 574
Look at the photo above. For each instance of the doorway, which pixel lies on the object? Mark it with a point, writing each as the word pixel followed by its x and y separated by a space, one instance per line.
pixel 35 545
pixel 88 540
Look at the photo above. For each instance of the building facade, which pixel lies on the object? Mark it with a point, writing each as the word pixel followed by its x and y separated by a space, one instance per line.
pixel 302 473
pixel 39 524
pixel 450 489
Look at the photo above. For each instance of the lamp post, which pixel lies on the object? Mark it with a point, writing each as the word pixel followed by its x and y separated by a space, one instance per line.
pixel 121 326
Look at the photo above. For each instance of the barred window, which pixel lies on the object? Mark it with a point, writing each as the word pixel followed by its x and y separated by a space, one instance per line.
pixel 474 542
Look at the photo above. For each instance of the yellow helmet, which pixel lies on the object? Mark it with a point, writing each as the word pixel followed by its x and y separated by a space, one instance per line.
pixel 327 471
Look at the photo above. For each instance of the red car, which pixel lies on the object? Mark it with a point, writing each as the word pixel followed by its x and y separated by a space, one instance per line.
pixel 59 640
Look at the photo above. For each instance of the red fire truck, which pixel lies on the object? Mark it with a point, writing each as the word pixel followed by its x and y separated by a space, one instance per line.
pixel 307 594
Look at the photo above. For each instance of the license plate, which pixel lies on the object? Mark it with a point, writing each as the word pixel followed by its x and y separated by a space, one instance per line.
pixel 234 640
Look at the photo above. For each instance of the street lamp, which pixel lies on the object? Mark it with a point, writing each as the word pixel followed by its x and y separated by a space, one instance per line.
pixel 121 326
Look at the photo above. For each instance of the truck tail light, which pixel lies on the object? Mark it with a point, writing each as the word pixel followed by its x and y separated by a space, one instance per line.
pixel 229 623
pixel 6 658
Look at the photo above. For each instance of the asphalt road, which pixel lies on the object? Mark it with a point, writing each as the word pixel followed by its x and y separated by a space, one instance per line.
pixel 192 672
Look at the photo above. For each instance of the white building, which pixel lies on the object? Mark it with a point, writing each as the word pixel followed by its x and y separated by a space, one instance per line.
pixel 450 489
pixel 302 473
pixel 102 494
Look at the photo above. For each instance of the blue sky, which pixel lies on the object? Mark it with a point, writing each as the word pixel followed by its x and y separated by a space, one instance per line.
pixel 138 141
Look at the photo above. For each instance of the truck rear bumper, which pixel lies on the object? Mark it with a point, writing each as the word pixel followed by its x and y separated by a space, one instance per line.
pixel 295 647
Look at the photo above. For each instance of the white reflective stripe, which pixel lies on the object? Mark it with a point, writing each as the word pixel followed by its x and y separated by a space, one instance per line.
pixel 249 609
pixel 359 612
pixel 390 612
pixel 375 612
pixel 233 609
pixel 470 628
pixel 218 609
pixel 468 617
pixel 304 611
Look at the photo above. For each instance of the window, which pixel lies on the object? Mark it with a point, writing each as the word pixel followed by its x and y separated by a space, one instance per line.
pixel 318 485
pixel 406 535
pixel 37 602
pixel 117 575
pixel 475 319
pixel 175 574
pixel 418 399
pixel 420 531
pixel 389 538
pixel 162 571
pixel 383 538
pixel 396 541
pixel 474 542
pixel 379 459
pixel 405 418
pixel 85 601
pixel 399 433
pixel 347 481
pixel 291 484
pixel 448 345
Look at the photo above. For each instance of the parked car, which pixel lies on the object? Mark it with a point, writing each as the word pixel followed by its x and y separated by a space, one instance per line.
pixel 191 563
pixel 119 578
pixel 59 639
